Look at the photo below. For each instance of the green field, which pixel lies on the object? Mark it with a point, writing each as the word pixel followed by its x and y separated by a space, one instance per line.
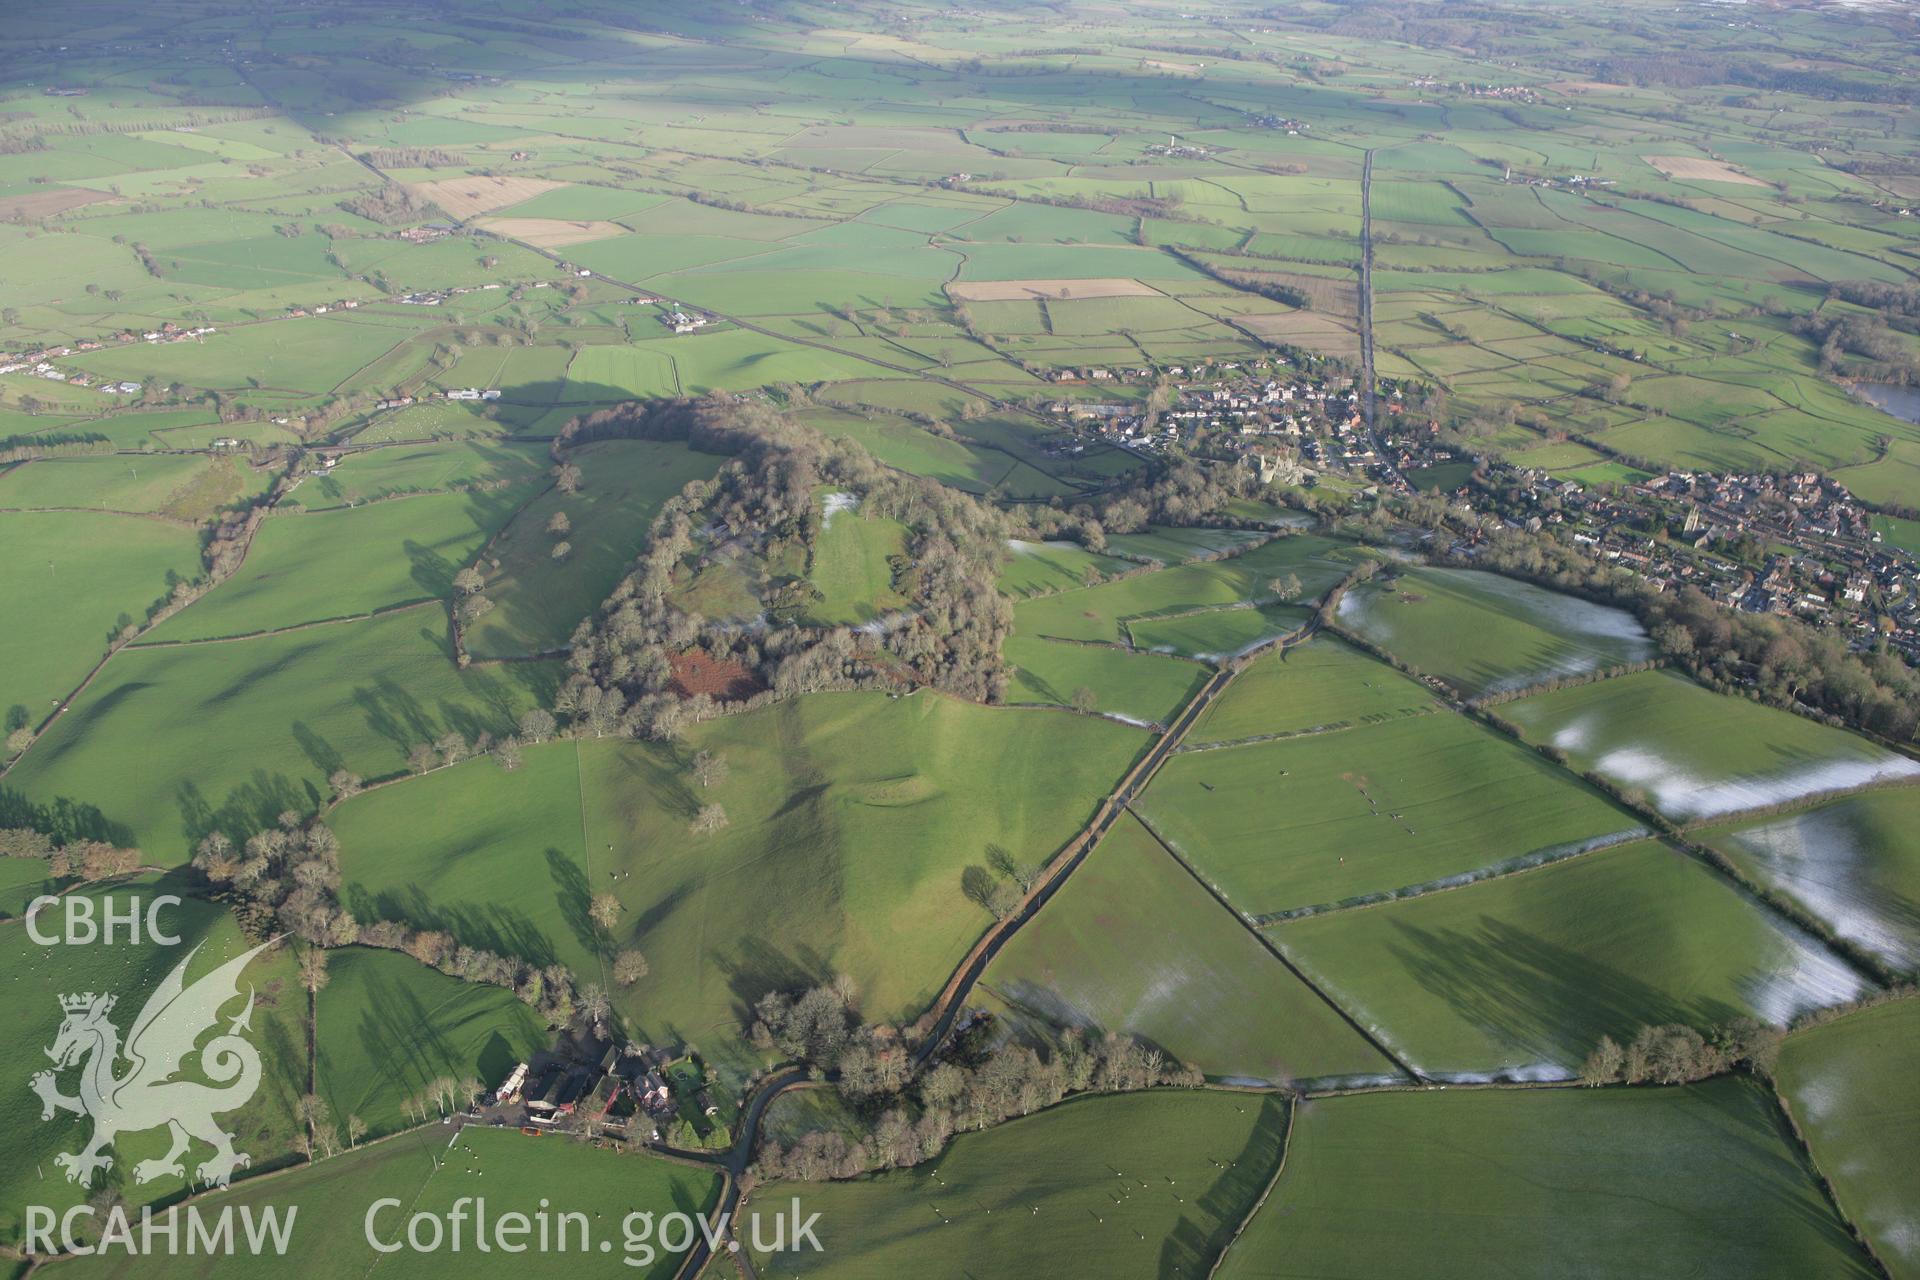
pixel 21 881
pixel 178 486
pixel 1317 685
pixel 1104 612
pixel 795 1112
pixel 435 851
pixel 425 1175
pixel 537 600
pixel 388 1027
pixel 1853 1092
pixel 395 469
pixel 1130 1185
pixel 72 580
pixel 347 563
pixel 1041 568
pixel 1141 686
pixel 1522 975
pixel 1173 545
pixel 1306 821
pixel 851 564
pixel 899 443
pixel 1695 1181
pixel 1693 753
pixel 38 976
pixel 1214 635
pixel 164 746
pixel 1853 864
pixel 1482 633
pixel 1133 944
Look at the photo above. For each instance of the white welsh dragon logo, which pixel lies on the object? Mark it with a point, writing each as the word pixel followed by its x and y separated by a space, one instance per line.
pixel 147 1095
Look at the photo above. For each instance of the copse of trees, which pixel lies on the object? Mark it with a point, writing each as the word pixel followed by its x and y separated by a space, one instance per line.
pixel 283 879
pixel 908 1112
pixel 1182 492
pixel 286 879
pixel 1675 1054
pixel 622 659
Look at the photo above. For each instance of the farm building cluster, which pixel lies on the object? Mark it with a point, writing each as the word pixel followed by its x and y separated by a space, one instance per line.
pixel 633 1091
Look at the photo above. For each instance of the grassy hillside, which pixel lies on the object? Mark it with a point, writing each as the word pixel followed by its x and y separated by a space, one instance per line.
pixel 171 742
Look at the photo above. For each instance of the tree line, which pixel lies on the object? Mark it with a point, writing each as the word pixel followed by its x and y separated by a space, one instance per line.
pixel 286 879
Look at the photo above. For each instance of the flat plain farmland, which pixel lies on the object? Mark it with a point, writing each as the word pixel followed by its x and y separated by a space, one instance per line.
pixel 1521 975
pixel 1697 754
pixel 1321 684
pixel 1145 687
pixel 1483 633
pixel 310 355
pixel 1168 545
pixel 1214 635
pixel 470 196
pixel 1697 1181
pixel 321 565
pixel 1318 819
pixel 1854 864
pixel 1128 1185
pixel 1022 290
pixel 1041 568
pixel 1133 945
pixel 176 486
pixel 538 599
pixel 72 580
pixel 551 233
pixel 1103 612
pixel 853 822
pixel 1852 1090
pixel 170 741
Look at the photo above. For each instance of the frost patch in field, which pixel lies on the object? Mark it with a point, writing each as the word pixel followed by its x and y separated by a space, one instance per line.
pixel 1816 1099
pixel 1807 977
pixel 1901 1236
pixel 833 504
pixel 1530 1073
pixel 1818 858
pixel 1680 793
pixel 1359 1080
